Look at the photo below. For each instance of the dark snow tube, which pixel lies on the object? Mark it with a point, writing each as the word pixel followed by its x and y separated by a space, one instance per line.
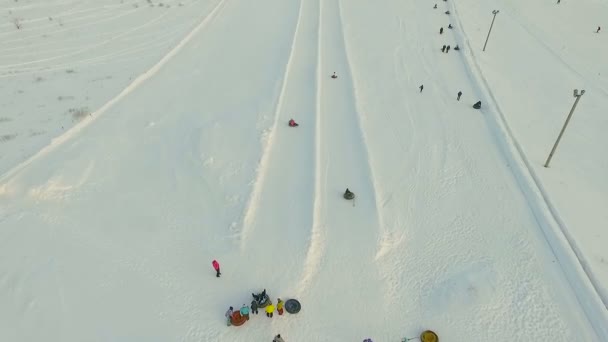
pixel 349 195
pixel 264 302
pixel 292 306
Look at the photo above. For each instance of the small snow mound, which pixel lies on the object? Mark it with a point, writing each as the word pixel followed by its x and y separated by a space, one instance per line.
pixel 209 161
pixel 265 136
pixel 467 288
pixel 389 242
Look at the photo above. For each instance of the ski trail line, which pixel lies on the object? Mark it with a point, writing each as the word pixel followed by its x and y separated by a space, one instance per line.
pixel 341 162
pixel 137 82
pixel 316 244
pixel 358 111
pixel 260 179
pixel 568 255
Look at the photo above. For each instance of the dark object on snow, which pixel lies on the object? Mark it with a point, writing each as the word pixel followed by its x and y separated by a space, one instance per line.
pixel 443 49
pixel 262 299
pixel 450 26
pixel 292 123
pixel 441 30
pixel 459 95
pixel 421 87
pixel 435 6
pixel 598 29
pixel 447 49
pixel 334 75
pixel 292 306
pixel 477 105
pixel 254 307
pixel 456 48
pixel 447 12
pixel 349 195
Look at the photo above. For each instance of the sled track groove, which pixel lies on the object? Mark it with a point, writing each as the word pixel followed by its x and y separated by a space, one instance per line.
pixel 135 84
pixel 573 264
pixel 260 179
pixel 316 245
pixel 359 120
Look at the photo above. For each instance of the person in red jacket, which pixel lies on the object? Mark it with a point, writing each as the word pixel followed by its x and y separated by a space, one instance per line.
pixel 293 123
pixel 216 266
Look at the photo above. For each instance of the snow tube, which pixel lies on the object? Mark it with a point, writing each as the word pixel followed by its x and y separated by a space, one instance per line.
pixel 349 195
pixel 237 319
pixel 429 336
pixel 264 302
pixel 292 306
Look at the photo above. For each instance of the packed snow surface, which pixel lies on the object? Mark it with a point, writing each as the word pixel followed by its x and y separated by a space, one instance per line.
pixel 140 140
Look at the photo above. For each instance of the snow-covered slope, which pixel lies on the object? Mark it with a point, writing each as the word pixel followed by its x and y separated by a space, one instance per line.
pixel 108 232
pixel 532 79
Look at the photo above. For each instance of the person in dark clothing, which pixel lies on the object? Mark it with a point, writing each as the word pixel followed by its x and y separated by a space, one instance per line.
pixel 441 30
pixel 447 12
pixel 254 307
pixel 598 30
pixel 435 6
pixel 456 48
pixel 421 87
pixel 443 49
pixel 447 49
pixel 450 26
pixel 459 95
pixel 477 105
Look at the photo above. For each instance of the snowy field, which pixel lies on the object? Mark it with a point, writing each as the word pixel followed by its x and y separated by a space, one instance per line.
pixel 140 140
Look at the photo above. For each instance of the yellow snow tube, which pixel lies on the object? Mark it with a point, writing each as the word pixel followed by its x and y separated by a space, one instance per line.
pixel 429 336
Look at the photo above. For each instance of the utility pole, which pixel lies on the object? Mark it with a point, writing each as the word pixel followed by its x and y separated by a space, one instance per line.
pixel 495 12
pixel 559 137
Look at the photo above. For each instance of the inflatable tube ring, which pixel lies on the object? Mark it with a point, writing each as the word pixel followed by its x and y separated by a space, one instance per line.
pixel 292 306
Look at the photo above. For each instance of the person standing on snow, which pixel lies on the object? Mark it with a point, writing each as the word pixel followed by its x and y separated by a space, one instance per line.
pixel 229 316
pixel 421 87
pixel 269 310
pixel 441 30
pixel 216 267
pixel 459 95
pixel 443 49
pixel 447 49
pixel 598 30
pixel 278 338
pixel 254 307
pixel 245 311
pixel 280 304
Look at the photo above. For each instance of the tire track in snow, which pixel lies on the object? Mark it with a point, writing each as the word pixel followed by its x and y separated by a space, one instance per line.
pixel 316 245
pixel 385 237
pixel 349 229
pixel 581 280
pixel 136 83
pixel 265 164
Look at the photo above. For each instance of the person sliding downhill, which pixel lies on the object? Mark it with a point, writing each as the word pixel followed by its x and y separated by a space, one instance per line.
pixel 293 123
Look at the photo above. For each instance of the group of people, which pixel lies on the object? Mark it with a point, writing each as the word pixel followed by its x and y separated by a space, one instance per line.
pixel 446 49
pixel 260 299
